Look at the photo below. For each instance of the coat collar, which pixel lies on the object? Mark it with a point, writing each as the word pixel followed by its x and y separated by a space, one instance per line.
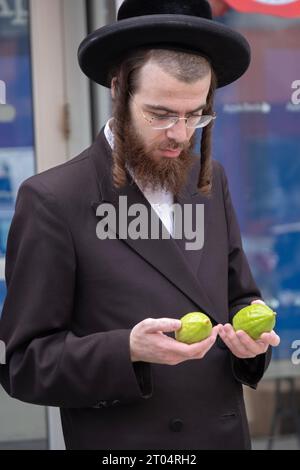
pixel 169 257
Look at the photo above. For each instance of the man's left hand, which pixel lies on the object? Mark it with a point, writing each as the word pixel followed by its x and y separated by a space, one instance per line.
pixel 243 346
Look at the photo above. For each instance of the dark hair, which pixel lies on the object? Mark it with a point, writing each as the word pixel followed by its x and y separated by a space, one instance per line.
pixel 184 66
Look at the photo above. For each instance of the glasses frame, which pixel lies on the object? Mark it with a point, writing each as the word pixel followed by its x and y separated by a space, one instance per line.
pixel 175 119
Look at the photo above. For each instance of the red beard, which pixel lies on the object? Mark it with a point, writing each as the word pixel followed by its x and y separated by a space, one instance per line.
pixel 167 174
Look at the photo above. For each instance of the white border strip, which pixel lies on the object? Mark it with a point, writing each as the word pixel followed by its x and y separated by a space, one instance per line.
pixel 2 269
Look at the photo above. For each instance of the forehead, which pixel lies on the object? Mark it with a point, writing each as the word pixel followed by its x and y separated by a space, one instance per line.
pixel 157 85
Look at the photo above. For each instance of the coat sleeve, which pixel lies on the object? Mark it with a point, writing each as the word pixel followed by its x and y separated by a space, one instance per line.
pixel 46 363
pixel 242 290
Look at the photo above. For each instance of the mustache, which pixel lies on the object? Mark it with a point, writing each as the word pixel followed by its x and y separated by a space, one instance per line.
pixel 172 145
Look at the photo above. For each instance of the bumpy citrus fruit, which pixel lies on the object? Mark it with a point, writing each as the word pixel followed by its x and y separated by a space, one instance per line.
pixel 255 320
pixel 196 326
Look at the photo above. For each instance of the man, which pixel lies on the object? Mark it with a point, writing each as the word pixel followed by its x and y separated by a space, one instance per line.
pixel 89 321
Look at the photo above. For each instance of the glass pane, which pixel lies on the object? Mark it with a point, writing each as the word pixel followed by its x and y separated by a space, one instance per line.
pixel 100 13
pixel 260 125
pixel 25 425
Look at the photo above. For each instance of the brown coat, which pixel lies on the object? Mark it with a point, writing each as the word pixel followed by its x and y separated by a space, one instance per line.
pixel 73 299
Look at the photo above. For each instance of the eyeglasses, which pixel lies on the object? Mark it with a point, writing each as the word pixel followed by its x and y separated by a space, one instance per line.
pixel 161 122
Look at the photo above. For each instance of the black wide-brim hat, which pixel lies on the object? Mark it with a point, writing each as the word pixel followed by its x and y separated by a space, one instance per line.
pixel 175 24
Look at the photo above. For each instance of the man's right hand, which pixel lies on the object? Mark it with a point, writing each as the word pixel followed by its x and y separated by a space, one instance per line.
pixel 148 343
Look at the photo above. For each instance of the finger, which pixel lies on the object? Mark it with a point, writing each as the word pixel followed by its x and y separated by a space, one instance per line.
pixel 271 339
pixel 239 352
pixel 258 301
pixel 208 342
pixel 206 346
pixel 199 349
pixel 166 325
pixel 190 351
pixel 254 347
pixel 231 340
pixel 217 329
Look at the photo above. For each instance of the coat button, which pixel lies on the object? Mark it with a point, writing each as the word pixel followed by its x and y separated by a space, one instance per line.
pixel 115 403
pixel 176 424
pixel 101 404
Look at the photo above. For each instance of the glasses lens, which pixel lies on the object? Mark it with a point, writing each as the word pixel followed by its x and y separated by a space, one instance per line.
pixel 162 122
pixel 199 122
pixel 166 122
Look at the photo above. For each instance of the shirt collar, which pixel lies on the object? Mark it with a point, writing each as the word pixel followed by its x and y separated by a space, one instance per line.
pixel 109 134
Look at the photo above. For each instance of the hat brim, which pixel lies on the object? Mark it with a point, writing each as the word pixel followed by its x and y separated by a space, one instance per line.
pixel 227 50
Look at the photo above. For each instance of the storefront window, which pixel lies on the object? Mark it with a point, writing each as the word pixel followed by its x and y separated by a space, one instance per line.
pixel 257 140
pixel 22 426
pixel 17 160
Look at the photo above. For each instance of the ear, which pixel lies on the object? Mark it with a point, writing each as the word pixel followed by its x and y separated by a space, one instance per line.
pixel 113 87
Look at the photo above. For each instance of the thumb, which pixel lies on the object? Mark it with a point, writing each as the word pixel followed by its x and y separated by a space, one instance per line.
pixel 258 301
pixel 166 325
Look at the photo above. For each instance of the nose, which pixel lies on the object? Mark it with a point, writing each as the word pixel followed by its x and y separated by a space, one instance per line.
pixel 178 132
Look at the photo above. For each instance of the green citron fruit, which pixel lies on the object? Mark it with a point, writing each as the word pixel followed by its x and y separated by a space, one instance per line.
pixel 196 326
pixel 255 320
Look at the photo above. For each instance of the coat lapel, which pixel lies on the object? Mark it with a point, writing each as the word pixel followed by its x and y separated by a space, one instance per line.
pixel 192 198
pixel 168 256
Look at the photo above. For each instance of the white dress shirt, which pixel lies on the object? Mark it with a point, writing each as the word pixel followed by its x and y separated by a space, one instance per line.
pixel 161 201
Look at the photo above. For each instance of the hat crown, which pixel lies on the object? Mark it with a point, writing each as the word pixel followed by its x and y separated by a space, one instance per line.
pixel 134 8
pixel 178 24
